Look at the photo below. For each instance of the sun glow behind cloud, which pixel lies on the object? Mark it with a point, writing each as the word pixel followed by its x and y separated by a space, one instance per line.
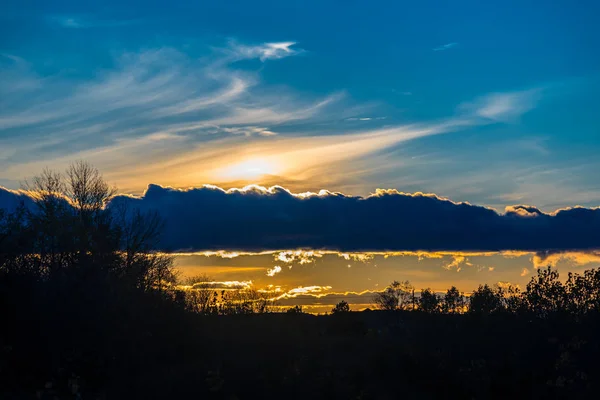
pixel 207 121
pixel 252 168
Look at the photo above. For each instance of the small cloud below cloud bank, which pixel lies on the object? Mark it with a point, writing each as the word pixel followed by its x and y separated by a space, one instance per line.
pixel 274 271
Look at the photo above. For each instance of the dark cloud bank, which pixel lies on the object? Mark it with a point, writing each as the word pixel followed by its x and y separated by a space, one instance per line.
pixel 210 218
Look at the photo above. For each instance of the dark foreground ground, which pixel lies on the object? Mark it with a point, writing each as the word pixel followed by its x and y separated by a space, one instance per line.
pixel 366 355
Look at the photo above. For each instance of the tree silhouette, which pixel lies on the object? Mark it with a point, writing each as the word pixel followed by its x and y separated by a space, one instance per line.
pixel 89 308
pixel 454 301
pixel 511 298
pixel 244 301
pixel 583 292
pixel 71 234
pixel 294 310
pixel 429 301
pixel 397 296
pixel 340 307
pixel 199 294
pixel 485 300
pixel 545 293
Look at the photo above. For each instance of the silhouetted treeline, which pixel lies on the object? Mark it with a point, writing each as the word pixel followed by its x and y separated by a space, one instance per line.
pixel 544 295
pixel 90 310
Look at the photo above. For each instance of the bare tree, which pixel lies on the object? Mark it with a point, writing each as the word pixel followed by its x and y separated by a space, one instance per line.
pixel 138 237
pixel 138 232
pixel 200 295
pixel 245 301
pixel 397 296
pixel 86 188
pixel 49 185
pixel 74 227
pixel 50 222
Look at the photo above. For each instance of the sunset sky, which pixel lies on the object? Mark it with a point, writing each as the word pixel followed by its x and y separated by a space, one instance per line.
pixel 492 104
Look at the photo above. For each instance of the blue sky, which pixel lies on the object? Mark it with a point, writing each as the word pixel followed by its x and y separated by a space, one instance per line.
pixel 494 104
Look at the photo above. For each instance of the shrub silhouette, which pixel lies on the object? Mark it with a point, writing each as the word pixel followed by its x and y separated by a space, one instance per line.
pixel 294 310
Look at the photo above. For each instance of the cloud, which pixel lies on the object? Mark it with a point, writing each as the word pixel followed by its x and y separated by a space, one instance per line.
pixel 446 46
pixel 504 107
pixel 65 21
pixel 273 271
pixel 264 52
pixel 199 120
pixel 224 285
pixel 298 256
pixel 304 256
pixel 302 295
pixel 249 131
pixel 305 290
pixel 10 200
pixel 362 257
pixel 524 272
pixel 81 21
pixel 209 218
pixel 576 258
pixel 507 285
pixel 365 118
pixel 322 296
pixel 116 118
pixel 457 262
pixel 202 218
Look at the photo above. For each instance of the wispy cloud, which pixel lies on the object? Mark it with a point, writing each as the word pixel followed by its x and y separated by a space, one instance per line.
pixel 306 290
pixel 200 112
pixel 249 131
pixel 148 96
pixel 204 136
pixel 264 52
pixel 504 107
pixel 84 21
pixel 203 121
pixel 446 46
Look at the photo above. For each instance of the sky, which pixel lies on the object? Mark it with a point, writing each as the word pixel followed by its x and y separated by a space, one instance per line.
pixel 484 103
